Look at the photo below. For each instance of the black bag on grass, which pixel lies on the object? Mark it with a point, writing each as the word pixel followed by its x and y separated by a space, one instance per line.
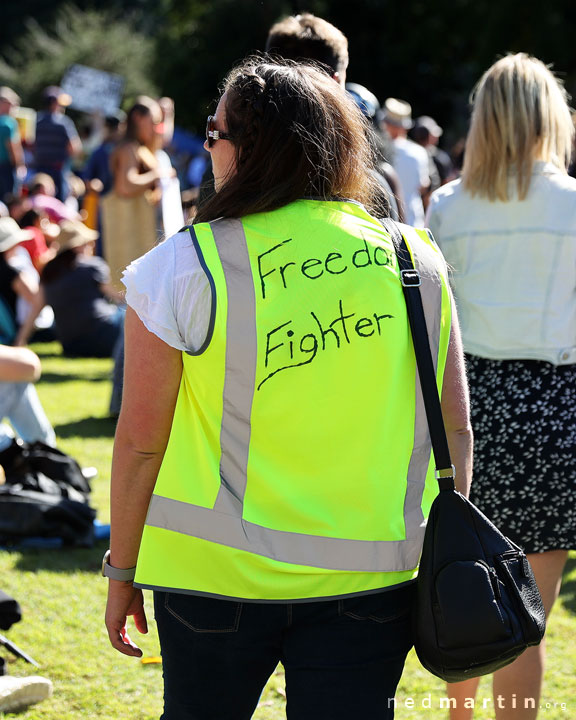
pixel 10 611
pixel 45 495
pixel 28 464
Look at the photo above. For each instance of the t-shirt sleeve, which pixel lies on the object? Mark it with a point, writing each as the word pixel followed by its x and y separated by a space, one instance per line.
pixel 149 283
pixel 171 293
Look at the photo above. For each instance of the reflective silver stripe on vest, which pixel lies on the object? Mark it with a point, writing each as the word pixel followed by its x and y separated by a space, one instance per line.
pixel 223 524
pixel 240 367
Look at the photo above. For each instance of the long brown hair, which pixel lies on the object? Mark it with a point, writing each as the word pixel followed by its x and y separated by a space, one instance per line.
pixel 144 105
pixel 296 134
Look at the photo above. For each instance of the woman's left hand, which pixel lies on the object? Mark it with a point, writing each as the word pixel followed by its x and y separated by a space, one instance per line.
pixel 124 600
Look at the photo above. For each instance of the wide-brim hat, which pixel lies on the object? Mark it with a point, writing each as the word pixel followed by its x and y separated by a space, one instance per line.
pixel 398 112
pixel 74 234
pixel 11 233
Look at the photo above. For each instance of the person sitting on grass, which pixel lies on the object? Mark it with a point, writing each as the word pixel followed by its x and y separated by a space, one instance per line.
pixel 76 285
pixel 19 402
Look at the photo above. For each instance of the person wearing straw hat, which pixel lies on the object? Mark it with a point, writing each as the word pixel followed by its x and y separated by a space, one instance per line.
pixel 14 282
pixel 76 284
pixel 410 160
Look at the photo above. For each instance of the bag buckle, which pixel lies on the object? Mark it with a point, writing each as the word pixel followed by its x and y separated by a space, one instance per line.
pixel 446 478
pixel 410 278
pixel 443 473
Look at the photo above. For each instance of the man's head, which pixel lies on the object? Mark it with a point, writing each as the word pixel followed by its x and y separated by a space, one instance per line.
pixel 426 131
pixel 54 98
pixel 307 37
pixel 8 100
pixel 115 124
pixel 397 117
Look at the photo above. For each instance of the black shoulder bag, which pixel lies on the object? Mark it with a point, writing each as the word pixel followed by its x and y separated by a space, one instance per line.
pixel 478 606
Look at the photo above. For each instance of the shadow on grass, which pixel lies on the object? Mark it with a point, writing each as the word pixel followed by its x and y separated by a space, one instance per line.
pixel 62 560
pixel 89 427
pixel 568 590
pixel 98 376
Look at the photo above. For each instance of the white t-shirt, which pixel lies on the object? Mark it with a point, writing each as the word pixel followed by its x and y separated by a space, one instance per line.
pixel 412 164
pixel 170 292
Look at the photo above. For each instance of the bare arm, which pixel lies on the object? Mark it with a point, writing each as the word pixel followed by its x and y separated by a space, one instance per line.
pixel 141 438
pixel 456 410
pixel 18 365
pixel 113 295
pixel 25 287
pixel 74 146
pixel 128 182
pixel 17 157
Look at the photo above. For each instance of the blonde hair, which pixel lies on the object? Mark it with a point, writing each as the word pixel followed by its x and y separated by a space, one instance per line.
pixel 520 115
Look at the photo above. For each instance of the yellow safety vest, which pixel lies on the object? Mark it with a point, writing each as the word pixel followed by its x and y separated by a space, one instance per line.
pixel 299 461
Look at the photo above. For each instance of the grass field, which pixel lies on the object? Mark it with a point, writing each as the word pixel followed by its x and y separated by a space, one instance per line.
pixel 63 597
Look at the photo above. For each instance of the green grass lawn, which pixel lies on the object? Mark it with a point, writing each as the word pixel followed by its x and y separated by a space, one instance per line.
pixel 63 596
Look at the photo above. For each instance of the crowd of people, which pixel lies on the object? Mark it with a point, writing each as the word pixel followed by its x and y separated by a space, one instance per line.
pixel 242 493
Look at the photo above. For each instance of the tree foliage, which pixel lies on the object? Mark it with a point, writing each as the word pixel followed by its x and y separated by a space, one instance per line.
pixel 98 38
pixel 428 54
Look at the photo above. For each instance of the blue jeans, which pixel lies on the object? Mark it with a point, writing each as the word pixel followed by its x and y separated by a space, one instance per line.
pixel 343 658
pixel 19 402
pixel 8 180
pixel 101 340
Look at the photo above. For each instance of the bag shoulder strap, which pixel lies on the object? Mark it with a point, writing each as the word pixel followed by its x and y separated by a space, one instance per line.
pixel 411 281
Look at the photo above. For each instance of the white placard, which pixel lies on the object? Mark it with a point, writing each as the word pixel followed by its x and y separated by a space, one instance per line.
pixel 172 215
pixel 93 90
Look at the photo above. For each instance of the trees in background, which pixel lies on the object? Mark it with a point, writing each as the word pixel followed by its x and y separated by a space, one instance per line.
pixel 430 54
pixel 102 39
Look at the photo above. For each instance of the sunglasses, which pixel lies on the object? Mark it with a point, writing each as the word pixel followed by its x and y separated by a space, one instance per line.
pixel 212 134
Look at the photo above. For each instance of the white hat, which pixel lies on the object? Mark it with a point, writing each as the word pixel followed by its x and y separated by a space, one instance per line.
pixel 398 112
pixel 11 233
pixel 428 123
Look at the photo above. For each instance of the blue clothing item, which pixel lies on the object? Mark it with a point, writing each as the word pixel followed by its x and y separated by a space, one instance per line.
pixel 343 658
pixel 8 133
pixel 98 166
pixel 19 403
pixel 102 340
pixel 8 180
pixel 86 324
pixel 54 132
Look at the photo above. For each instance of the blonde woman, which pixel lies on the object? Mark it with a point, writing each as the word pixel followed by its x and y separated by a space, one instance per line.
pixel 508 229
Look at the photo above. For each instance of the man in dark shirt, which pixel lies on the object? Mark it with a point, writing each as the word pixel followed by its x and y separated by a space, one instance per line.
pixel 56 139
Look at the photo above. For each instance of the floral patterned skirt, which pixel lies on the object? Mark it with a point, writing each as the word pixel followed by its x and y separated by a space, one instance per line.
pixel 524 421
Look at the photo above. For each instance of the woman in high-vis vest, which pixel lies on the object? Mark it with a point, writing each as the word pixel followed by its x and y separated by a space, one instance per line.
pixel 272 469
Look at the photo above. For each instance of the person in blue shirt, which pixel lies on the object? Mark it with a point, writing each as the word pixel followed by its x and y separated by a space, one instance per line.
pixel 12 167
